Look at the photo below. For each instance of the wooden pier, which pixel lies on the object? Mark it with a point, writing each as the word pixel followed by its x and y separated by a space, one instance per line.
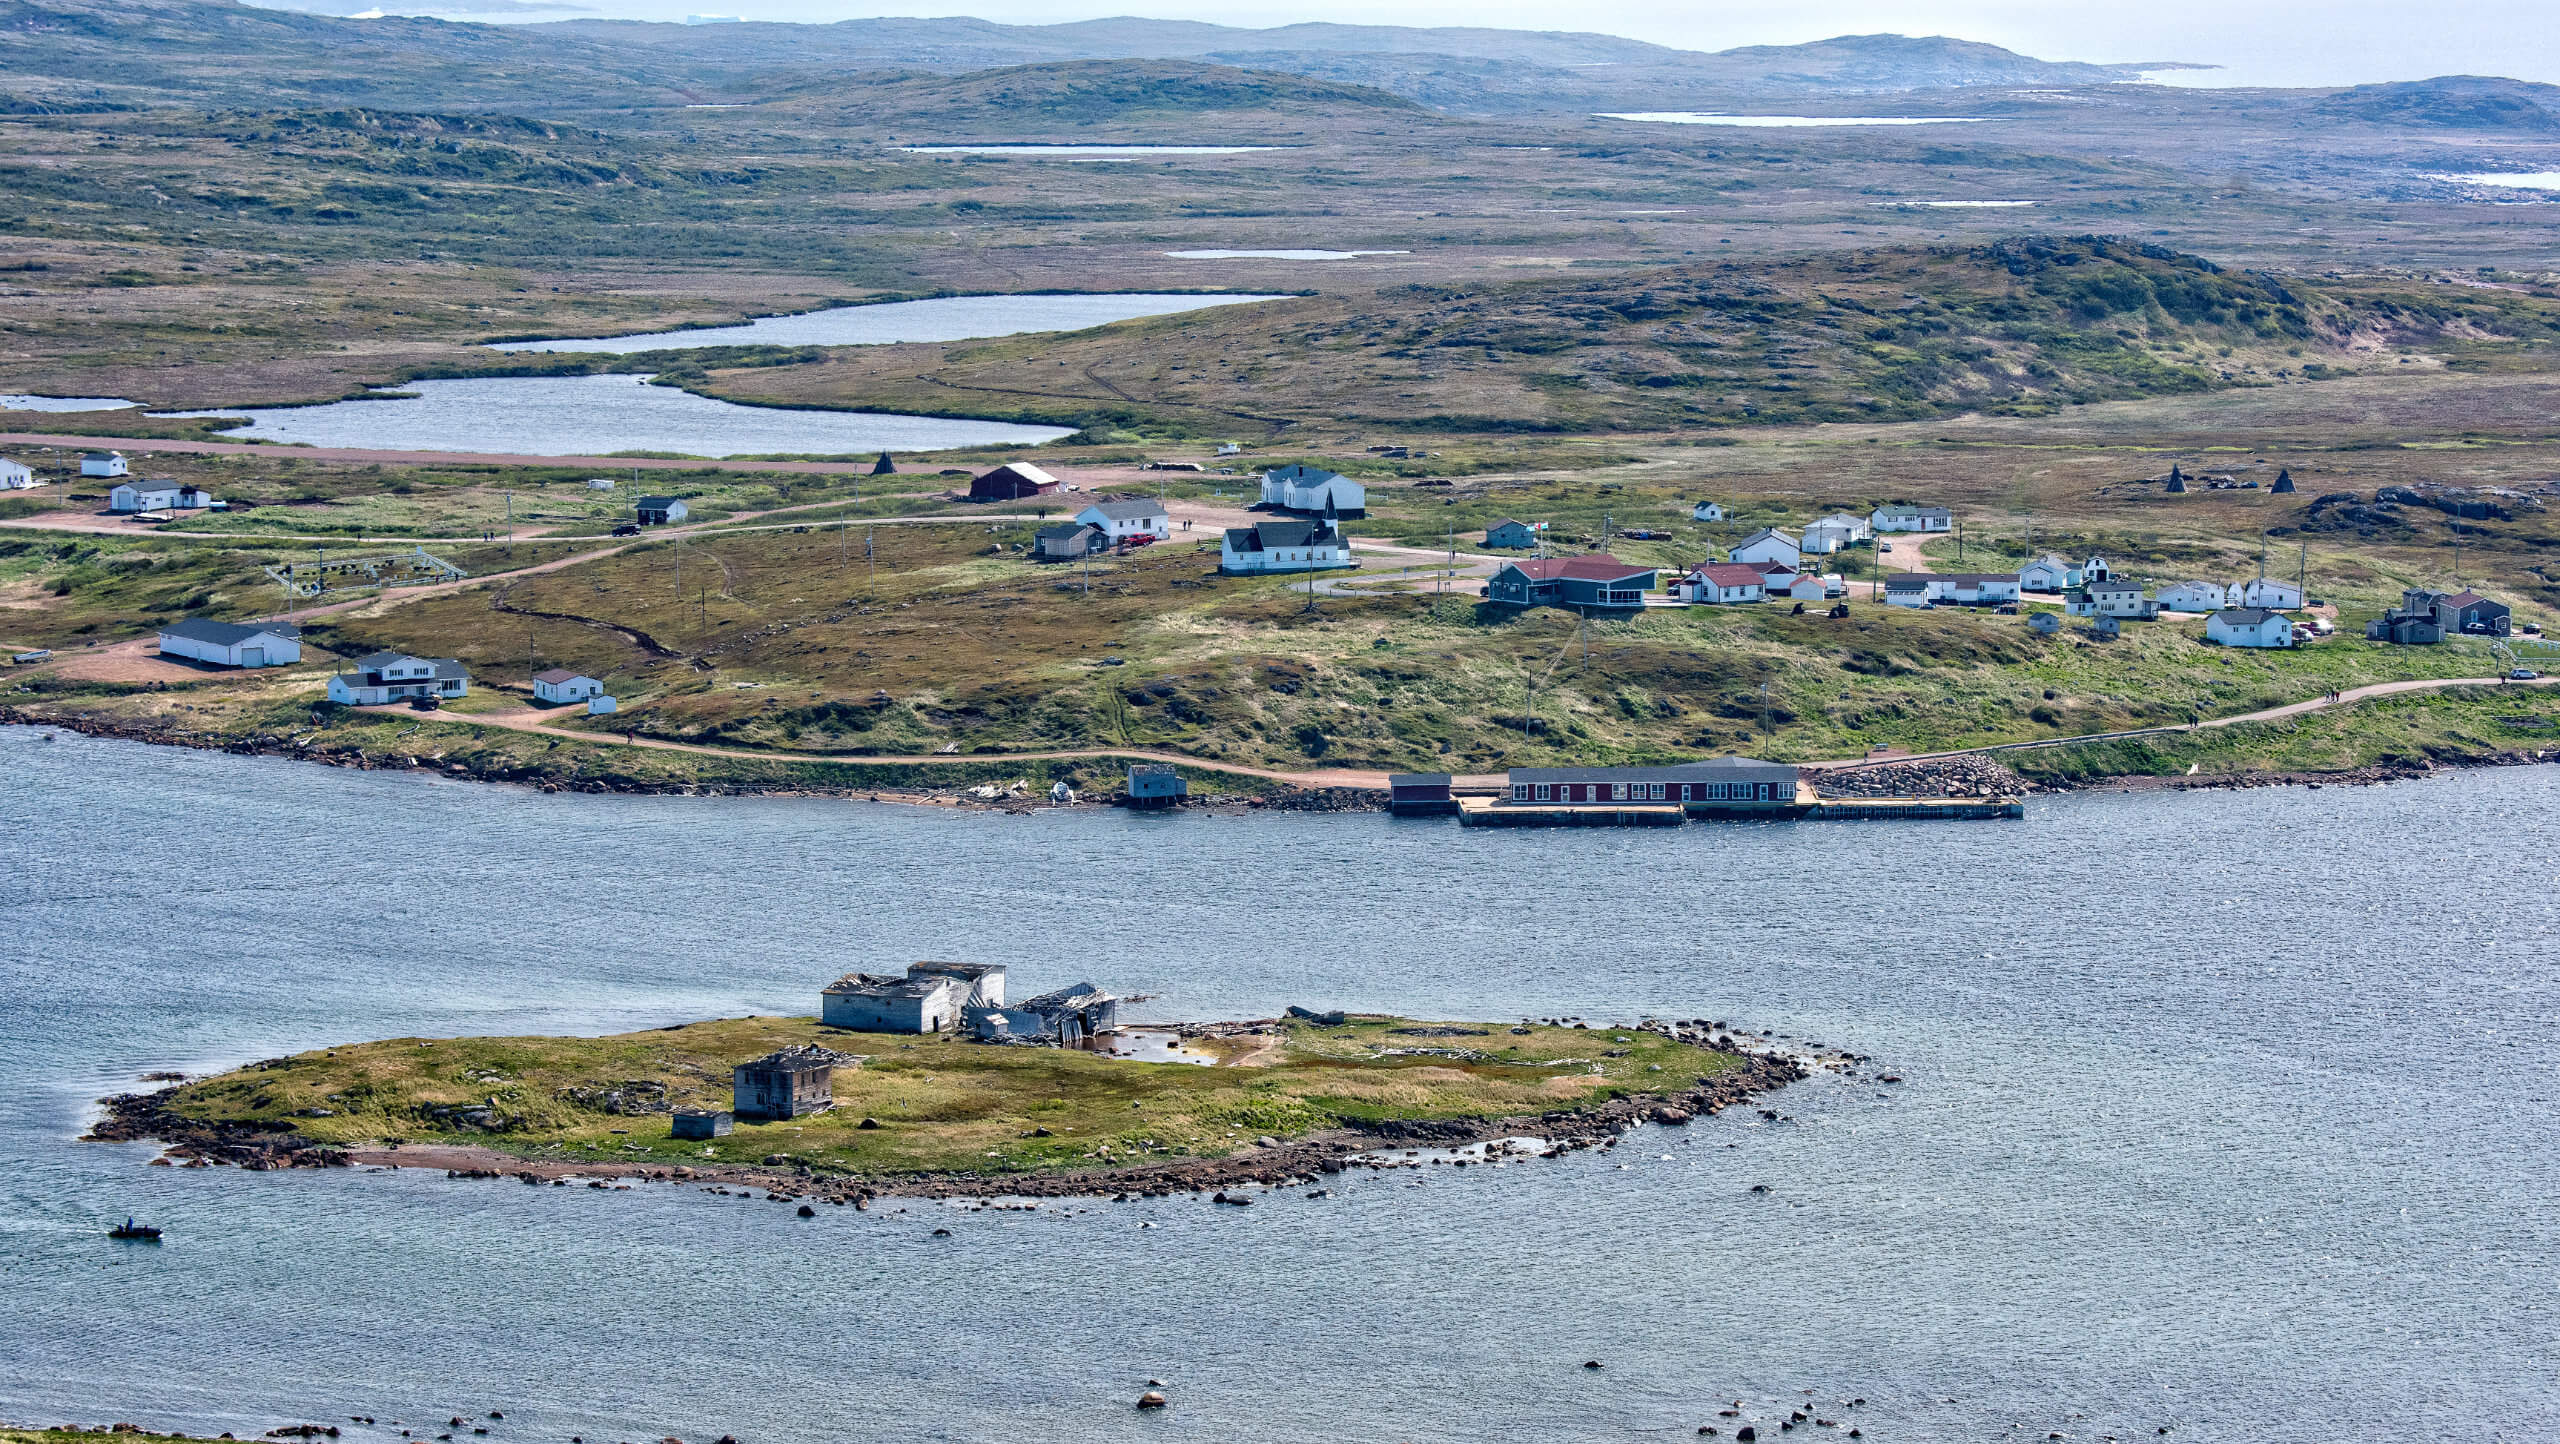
pixel 1498 811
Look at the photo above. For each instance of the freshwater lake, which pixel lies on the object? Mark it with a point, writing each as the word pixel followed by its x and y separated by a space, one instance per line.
pixel 19 401
pixel 2218 1114
pixel 944 318
pixel 602 416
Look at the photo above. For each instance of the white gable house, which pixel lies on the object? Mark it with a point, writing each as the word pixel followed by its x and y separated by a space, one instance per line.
pixel 14 476
pixel 102 463
pixel 387 677
pixel 232 644
pixel 2195 597
pixel 1901 517
pixel 1833 532
pixel 558 687
pixel 1312 489
pixel 140 496
pixel 2249 627
pixel 1283 544
pixel 1706 511
pixel 2048 574
pixel 2268 593
pixel 1768 545
pixel 1122 521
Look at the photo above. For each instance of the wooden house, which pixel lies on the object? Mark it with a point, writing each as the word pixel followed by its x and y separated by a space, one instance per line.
pixel 1722 584
pixel 1312 490
pixel 1067 541
pixel 1283 544
pixel 381 678
pixel 1735 783
pixel 2249 627
pixel 792 1083
pixel 558 687
pixel 1510 535
pixel 1900 516
pixel 1768 545
pixel 1012 481
pixel 661 510
pixel 1154 785
pixel 1127 520
pixel 1598 582
pixel 1420 794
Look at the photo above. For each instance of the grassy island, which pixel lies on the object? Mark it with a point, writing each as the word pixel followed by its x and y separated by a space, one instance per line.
pixel 936 1106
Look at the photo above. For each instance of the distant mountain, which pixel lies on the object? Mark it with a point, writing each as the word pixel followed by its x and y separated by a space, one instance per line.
pixel 2454 102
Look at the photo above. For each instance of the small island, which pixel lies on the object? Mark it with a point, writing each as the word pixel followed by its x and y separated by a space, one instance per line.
pixel 1145 1110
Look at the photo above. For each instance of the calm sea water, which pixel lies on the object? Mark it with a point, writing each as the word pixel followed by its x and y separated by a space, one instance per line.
pixel 2231 1114
pixel 945 318
pixel 603 416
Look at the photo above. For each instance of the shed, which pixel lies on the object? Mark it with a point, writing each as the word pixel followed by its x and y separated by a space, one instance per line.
pixel 1706 511
pixel 792 1083
pixel 1066 541
pixel 1420 794
pixel 702 1123
pixel 2046 622
pixel 102 463
pixel 1156 785
pixel 1510 535
pixel 661 510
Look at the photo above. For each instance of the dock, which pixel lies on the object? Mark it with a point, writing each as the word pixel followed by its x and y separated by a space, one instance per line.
pixel 1495 810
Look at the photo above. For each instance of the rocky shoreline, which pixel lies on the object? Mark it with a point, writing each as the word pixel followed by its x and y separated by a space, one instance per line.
pixel 1964 775
pixel 145 1117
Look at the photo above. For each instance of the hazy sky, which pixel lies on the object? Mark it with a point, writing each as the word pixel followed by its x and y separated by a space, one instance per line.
pixel 2260 42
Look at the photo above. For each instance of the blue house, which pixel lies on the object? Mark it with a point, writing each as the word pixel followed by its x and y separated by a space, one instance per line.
pixel 1599 582
pixel 1510 535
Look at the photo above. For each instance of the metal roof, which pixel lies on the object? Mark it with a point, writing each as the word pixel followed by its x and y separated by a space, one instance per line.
pixel 227 634
pixel 1714 769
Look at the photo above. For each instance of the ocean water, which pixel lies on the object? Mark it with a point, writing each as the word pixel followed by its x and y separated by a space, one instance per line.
pixel 944 318
pixel 2226 1113
pixel 602 416
pixel 1785 122
pixel 20 401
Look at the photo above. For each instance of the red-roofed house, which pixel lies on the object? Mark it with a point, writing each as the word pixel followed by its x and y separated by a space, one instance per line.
pixel 1599 581
pixel 1719 583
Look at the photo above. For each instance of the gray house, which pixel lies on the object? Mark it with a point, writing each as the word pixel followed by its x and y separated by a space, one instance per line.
pixel 1510 535
pixel 1156 784
pixel 792 1083
pixel 660 510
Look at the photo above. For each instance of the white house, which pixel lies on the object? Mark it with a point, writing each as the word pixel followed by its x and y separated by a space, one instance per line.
pixel 14 476
pixel 1312 489
pixel 1899 516
pixel 2249 627
pixel 1283 545
pixel 1768 545
pixel 2095 569
pixel 102 463
pixel 1776 577
pixel 231 644
pixel 1907 589
pixel 661 510
pixel 599 483
pixel 1809 587
pixel 386 677
pixel 2195 597
pixel 1721 583
pixel 1122 520
pixel 2267 593
pixel 1974 588
pixel 559 687
pixel 1706 511
pixel 2048 573
pixel 2112 599
pixel 138 496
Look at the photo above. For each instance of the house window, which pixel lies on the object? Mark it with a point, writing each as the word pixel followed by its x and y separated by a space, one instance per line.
pixel 1545 792
pixel 1519 792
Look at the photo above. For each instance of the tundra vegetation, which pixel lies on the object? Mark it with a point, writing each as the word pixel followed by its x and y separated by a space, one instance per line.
pixel 934 1104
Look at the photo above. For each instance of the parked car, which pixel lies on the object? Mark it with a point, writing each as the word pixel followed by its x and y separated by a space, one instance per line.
pixel 28 658
pixel 2523 674
pixel 627 529
pixel 425 702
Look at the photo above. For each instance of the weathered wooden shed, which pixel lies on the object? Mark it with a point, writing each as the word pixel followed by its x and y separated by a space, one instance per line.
pixel 1155 785
pixel 702 1123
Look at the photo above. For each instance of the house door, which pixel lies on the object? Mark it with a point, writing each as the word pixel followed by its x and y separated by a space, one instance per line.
pixel 253 657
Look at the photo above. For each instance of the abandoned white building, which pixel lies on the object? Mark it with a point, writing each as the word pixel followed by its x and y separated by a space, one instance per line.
pixel 1312 489
pixel 929 999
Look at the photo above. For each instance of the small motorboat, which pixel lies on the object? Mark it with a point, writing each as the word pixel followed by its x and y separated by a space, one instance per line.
pixel 143 1232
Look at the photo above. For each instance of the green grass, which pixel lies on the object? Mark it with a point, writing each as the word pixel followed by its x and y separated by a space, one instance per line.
pixel 940 1105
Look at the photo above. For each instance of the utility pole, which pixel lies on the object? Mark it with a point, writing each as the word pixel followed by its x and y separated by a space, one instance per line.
pixel 511 520
pixel 871 560
pixel 1764 709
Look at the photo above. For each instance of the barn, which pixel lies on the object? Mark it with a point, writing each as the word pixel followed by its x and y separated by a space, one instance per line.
pixel 1012 481
pixel 232 644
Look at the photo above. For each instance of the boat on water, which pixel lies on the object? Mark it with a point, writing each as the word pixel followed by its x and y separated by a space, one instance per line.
pixel 147 1233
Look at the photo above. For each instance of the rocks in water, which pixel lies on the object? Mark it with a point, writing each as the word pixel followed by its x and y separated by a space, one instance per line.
pixel 1746 1434
pixel 807 1212
pixel 1333 1019
pixel 1593 1364
pixel 1152 1399
pixel 942 1233
pixel 1237 1200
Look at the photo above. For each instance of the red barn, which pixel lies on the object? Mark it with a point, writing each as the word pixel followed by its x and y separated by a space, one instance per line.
pixel 1012 482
